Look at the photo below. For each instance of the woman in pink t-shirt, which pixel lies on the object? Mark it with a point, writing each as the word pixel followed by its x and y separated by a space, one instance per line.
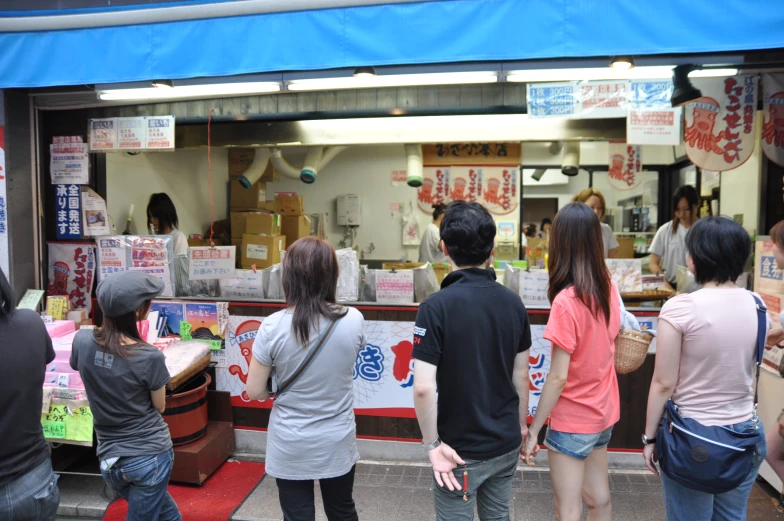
pixel 580 394
pixel 705 363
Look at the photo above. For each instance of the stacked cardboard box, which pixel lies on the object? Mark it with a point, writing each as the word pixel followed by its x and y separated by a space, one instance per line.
pixel 295 227
pixel 262 251
pixel 241 158
pixel 289 204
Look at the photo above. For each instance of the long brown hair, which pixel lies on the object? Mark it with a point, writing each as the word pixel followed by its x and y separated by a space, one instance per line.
pixel 310 281
pixel 577 260
pixel 113 329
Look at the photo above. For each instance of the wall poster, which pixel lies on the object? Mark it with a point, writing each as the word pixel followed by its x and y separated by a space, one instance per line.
pixel 773 117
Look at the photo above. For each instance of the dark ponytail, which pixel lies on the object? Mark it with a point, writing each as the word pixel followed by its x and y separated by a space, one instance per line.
pixel 7 301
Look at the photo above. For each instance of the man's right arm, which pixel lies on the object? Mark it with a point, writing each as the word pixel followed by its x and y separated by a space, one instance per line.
pixel 520 380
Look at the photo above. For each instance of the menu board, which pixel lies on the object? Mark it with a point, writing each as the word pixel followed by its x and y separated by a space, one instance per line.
pixel 395 287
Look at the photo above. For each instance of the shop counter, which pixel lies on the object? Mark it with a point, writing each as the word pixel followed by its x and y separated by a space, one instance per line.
pixel 383 374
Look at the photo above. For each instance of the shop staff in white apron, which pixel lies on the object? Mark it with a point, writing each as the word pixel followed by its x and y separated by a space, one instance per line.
pixel 668 250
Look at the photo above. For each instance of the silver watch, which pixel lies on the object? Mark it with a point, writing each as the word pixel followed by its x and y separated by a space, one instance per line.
pixel 433 445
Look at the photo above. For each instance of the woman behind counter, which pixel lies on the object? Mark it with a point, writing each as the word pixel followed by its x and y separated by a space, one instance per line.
pixel 312 431
pixel 162 219
pixel 594 199
pixel 668 250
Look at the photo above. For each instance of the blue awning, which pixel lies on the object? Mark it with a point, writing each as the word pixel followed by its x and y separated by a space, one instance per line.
pixel 395 34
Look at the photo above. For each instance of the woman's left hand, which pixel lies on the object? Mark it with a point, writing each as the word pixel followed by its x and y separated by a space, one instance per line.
pixel 530 448
pixel 651 457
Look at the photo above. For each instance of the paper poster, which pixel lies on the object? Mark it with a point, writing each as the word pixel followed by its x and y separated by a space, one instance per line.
pixel 68 164
pixel 434 189
pixel 57 307
pixel 160 132
pixel 170 315
pixel 69 215
pixel 533 288
pixel 626 273
pixel 94 214
pixel 506 231
pixel 773 117
pixel 204 323
pixel 112 256
pixel 62 422
pixel 395 287
pixel 239 346
pixel 651 120
pixel 552 99
pixel 603 99
pixel 153 255
pixel 719 127
pixel 246 284
pixel 206 263
pixel 103 134
pixel 132 133
pixel 72 272
pixel 31 299
pixel 3 209
pixel 625 166
pixel 494 187
pixel 399 176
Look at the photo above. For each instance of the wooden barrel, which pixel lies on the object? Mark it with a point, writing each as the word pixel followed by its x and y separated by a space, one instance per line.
pixel 186 411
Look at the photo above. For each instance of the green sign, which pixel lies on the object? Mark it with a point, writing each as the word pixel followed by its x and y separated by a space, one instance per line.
pixel 54 430
pixel 185 330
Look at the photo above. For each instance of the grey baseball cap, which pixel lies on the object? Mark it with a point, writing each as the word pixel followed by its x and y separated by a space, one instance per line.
pixel 125 292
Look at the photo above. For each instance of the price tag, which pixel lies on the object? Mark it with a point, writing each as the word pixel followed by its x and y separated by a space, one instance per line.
pixel 31 300
pixel 62 380
pixel 47 402
pixel 47 319
pixel 54 430
pixel 185 330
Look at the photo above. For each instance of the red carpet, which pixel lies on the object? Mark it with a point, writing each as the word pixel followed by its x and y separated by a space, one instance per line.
pixel 216 500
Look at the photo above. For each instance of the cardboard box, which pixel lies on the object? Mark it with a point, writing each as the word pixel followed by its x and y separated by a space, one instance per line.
pixel 252 198
pixel 263 223
pixel 289 203
pixel 261 250
pixel 295 227
pixel 241 158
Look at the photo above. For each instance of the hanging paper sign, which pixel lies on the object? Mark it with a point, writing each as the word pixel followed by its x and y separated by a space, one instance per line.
pixel 246 284
pixel 160 132
pixel 3 209
pixel 68 164
pixel 94 214
pixel 434 189
pixel 625 166
pixel 603 99
pixel 533 288
pixel 399 176
pixel 552 100
pixel 71 272
pixel 773 117
pixel 111 257
pixel 205 263
pixel 395 287
pixel 31 299
pixel 719 128
pixel 103 134
pixel 69 215
pixel 498 188
pixel 651 119
pixel 132 133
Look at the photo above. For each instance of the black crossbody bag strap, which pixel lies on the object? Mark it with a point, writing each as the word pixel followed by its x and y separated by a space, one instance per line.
pixel 308 359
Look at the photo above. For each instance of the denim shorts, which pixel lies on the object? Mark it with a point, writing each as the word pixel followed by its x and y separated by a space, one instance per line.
pixel 577 446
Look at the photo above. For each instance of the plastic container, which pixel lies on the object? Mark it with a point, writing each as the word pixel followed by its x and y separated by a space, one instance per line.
pixel 186 411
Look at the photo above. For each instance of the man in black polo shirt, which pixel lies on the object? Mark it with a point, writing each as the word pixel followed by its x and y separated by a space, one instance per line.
pixel 471 343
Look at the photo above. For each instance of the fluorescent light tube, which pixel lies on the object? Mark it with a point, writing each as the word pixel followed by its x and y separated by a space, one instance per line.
pixel 190 91
pixel 393 80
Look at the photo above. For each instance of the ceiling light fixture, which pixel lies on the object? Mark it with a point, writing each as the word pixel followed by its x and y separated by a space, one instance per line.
pixel 364 72
pixel 608 73
pixel 683 91
pixel 622 63
pixel 162 84
pixel 393 80
pixel 189 91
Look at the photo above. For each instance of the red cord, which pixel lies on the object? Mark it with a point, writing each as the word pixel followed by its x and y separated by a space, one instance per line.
pixel 209 175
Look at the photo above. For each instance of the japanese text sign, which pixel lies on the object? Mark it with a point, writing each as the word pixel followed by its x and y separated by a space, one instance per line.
pixel 68 211
pixel 103 134
pixel 68 164
pixel 205 263
pixel 773 117
pixel 395 287
pixel 651 119
pixel 625 166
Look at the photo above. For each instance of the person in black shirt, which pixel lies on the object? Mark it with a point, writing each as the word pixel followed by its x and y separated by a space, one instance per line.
pixel 28 486
pixel 471 344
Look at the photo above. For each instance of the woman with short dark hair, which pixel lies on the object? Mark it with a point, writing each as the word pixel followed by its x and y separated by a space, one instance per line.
pixel 312 431
pixel 28 485
pixel 705 362
pixel 162 220
pixel 668 249
pixel 580 395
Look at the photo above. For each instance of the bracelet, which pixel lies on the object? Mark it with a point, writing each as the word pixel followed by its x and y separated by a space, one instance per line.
pixel 433 445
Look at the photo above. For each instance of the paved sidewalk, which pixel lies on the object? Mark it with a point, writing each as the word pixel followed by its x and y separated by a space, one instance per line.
pixel 404 493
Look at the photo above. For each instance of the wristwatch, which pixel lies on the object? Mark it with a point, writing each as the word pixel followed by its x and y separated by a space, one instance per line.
pixel 433 445
pixel 648 441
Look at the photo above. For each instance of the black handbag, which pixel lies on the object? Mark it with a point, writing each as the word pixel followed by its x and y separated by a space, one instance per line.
pixel 711 459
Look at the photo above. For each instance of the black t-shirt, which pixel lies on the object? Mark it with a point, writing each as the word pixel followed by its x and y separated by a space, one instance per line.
pixel 472 330
pixel 25 349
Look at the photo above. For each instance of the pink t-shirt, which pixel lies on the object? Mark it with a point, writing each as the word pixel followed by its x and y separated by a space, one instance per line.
pixel 719 328
pixel 589 403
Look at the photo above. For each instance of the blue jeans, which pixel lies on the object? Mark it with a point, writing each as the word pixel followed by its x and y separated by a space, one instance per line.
pixel 489 489
pixel 31 497
pixel 142 481
pixel 685 504
pixel 577 446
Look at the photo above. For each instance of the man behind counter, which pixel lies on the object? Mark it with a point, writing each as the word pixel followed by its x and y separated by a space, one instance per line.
pixel 430 247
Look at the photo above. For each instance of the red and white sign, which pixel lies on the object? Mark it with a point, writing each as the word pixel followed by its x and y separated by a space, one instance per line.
pixel 625 166
pixel 494 187
pixel 399 176
pixel 654 126
pixel 206 263
pixel 603 99
pixel 72 272
pixel 773 117
pixel 719 127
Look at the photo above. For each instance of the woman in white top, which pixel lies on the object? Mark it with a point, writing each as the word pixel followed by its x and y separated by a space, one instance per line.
pixel 594 199
pixel 668 250
pixel 776 337
pixel 162 220
pixel 312 431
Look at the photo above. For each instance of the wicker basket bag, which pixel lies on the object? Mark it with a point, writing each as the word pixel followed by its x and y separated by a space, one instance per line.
pixel 631 348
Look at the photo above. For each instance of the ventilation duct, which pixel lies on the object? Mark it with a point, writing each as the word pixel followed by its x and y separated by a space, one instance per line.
pixel 316 159
pixel 415 165
pixel 256 169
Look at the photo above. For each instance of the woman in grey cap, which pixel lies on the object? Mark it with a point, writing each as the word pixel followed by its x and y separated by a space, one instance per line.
pixel 312 432
pixel 126 379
